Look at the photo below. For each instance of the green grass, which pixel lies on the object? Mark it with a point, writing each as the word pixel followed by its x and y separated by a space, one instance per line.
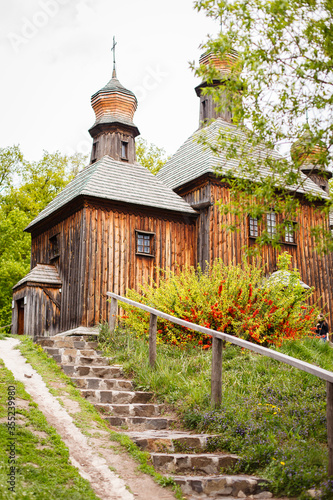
pixel 272 415
pixel 87 418
pixel 43 469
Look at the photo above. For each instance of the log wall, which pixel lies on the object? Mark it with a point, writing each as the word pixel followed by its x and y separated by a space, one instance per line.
pixel 315 270
pixel 41 313
pixel 97 253
pixel 112 263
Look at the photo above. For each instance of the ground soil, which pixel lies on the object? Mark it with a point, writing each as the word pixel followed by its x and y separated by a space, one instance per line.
pixel 111 472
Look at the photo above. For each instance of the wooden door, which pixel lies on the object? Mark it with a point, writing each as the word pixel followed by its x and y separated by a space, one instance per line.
pixel 20 317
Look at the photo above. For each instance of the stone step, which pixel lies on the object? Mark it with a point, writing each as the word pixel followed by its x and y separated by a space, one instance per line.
pixel 103 384
pixel 132 410
pixel 222 485
pixel 86 360
pixel 93 371
pixel 97 396
pixel 52 350
pixel 171 441
pixel 200 463
pixel 59 342
pixel 144 422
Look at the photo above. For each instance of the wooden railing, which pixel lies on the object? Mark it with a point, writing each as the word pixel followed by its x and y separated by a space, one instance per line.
pixel 6 326
pixel 217 344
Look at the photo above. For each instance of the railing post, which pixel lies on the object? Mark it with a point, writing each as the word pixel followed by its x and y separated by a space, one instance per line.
pixel 216 380
pixel 152 339
pixel 329 415
pixel 113 314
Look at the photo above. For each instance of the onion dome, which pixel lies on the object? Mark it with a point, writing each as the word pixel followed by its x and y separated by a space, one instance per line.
pixel 209 108
pixel 113 104
pixel 312 158
pixel 306 152
pixel 223 65
pixel 114 132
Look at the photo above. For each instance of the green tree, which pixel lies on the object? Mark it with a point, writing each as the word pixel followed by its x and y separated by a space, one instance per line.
pixel 284 71
pixel 27 187
pixel 150 156
pixel 10 164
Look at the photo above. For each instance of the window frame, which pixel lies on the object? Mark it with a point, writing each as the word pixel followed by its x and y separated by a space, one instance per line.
pixel 151 235
pixel 292 224
pixel 124 147
pixel 54 242
pixel 255 229
pixel 271 227
pixel 256 225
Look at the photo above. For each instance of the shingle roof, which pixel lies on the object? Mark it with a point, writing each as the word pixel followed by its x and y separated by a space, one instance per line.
pixel 114 85
pixel 192 160
pixel 117 181
pixel 41 273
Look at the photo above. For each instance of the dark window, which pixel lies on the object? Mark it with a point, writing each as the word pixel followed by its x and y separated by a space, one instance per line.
pixel 144 243
pixel 253 225
pixel 271 223
pixel 204 110
pixel 94 152
pixel 54 246
pixel 124 150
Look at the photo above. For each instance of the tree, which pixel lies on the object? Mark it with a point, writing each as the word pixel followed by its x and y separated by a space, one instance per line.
pixel 27 187
pixel 10 164
pixel 284 71
pixel 150 156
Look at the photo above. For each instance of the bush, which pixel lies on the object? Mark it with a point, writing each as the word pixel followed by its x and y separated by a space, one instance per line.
pixel 237 300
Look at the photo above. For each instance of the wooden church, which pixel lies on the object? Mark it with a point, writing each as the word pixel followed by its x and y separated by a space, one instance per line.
pixel 116 223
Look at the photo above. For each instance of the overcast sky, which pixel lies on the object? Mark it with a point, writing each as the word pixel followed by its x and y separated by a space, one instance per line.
pixel 56 53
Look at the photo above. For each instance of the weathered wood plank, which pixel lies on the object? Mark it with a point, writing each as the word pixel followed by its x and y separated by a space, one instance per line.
pixel 113 314
pixel 216 374
pixel 329 414
pixel 152 339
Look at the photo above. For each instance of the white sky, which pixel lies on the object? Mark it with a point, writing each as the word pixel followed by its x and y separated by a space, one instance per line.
pixel 56 53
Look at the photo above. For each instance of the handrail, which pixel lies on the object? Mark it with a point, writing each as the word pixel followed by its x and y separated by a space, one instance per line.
pixel 6 326
pixel 284 358
pixel 216 373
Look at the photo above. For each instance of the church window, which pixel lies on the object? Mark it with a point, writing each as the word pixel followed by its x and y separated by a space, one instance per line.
pixel 54 246
pixel 271 223
pixel 289 233
pixel 204 109
pixel 253 226
pixel 144 243
pixel 124 150
pixel 94 152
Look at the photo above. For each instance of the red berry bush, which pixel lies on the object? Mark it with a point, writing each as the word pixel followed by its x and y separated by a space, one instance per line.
pixel 238 300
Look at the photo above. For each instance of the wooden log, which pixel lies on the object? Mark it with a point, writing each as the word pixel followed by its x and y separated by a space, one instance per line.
pixel 113 314
pixel 216 380
pixel 152 339
pixel 329 415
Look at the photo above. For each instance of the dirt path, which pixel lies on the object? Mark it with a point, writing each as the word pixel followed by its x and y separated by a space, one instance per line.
pixel 92 457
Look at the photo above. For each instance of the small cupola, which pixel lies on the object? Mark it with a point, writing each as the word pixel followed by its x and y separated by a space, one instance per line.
pixel 222 71
pixel 311 159
pixel 114 132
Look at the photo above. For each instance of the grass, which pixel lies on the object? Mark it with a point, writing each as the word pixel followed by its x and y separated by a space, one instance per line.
pixel 43 469
pixel 272 415
pixel 87 418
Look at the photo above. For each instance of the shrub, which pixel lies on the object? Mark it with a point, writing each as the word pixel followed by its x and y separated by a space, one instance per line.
pixel 237 300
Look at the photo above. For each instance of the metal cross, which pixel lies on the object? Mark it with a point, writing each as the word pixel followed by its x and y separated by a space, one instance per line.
pixel 113 49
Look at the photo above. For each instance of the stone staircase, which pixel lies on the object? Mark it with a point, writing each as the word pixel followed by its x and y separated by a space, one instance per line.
pixel 183 455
